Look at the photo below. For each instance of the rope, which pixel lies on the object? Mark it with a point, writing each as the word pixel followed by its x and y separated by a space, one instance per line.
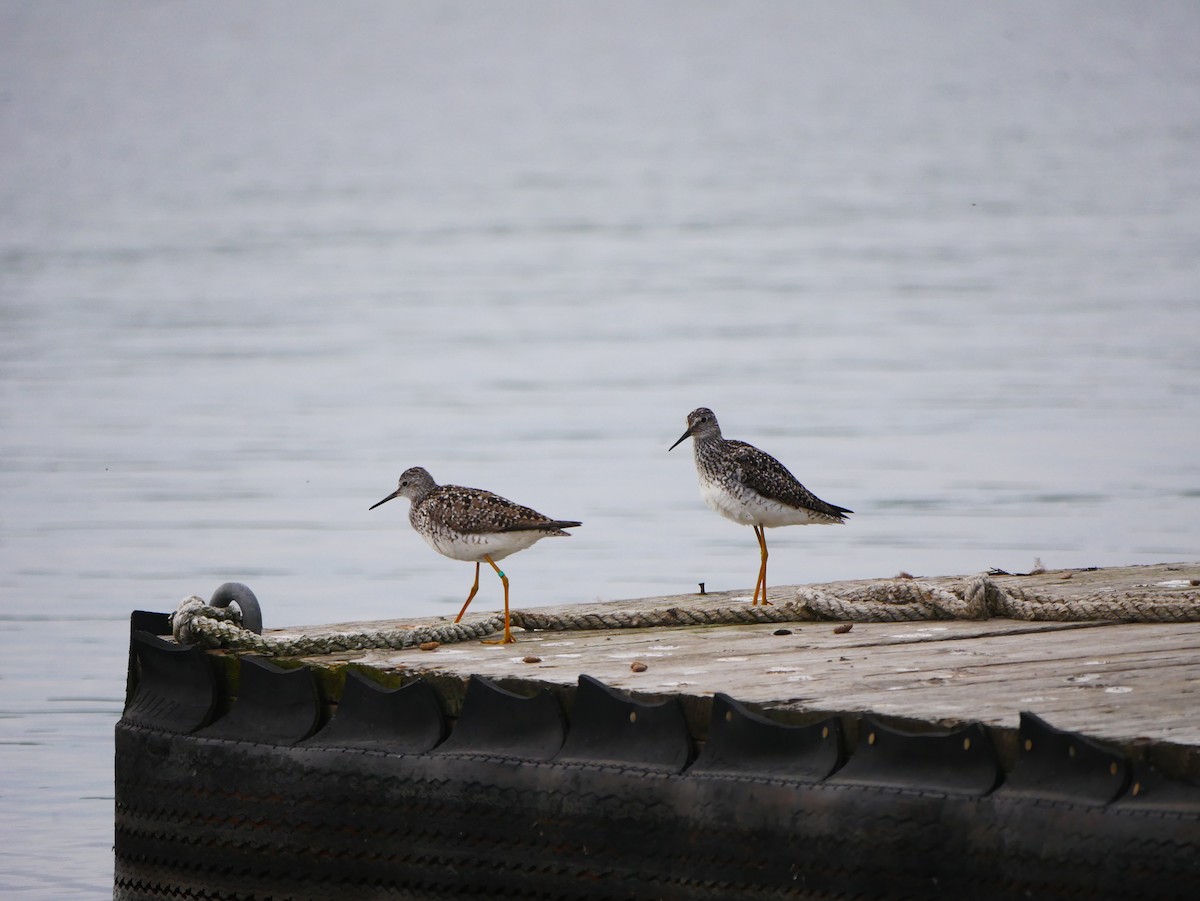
pixel 980 598
pixel 195 622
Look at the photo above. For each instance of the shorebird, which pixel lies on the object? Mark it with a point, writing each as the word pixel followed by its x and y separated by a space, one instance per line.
pixel 751 487
pixel 473 525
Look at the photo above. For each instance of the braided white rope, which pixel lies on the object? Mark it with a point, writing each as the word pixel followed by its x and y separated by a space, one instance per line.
pixel 980 598
pixel 195 622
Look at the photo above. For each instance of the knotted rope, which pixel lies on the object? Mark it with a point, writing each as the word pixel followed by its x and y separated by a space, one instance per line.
pixel 980 598
pixel 195 622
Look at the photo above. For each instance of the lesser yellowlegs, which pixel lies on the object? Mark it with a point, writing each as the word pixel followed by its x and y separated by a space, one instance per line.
pixel 751 487
pixel 473 525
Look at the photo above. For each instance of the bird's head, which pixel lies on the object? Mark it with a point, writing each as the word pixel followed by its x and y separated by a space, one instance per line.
pixel 702 423
pixel 415 482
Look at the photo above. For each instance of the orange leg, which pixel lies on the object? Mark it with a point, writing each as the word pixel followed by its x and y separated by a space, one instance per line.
pixel 758 578
pixel 760 532
pixel 507 639
pixel 474 588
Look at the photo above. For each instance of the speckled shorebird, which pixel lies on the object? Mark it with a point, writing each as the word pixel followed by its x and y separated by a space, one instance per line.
pixel 751 487
pixel 473 525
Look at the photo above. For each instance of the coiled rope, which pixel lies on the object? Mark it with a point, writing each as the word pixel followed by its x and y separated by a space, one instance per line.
pixel 195 622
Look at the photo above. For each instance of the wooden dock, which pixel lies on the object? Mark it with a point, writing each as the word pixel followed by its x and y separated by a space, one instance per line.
pixel 990 758
pixel 1134 685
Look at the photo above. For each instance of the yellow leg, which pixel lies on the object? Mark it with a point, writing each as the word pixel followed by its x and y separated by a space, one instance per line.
pixel 474 588
pixel 507 639
pixel 760 532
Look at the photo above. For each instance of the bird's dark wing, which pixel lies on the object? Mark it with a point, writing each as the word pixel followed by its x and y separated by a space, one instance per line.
pixel 473 510
pixel 771 479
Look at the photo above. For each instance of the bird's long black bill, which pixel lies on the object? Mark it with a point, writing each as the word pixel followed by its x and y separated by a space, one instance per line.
pixel 682 438
pixel 385 500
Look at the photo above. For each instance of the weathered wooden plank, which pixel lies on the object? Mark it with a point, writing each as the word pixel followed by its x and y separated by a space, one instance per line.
pixel 1127 683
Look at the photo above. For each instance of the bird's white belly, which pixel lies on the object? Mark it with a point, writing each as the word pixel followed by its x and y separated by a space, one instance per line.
pixel 750 508
pixel 472 548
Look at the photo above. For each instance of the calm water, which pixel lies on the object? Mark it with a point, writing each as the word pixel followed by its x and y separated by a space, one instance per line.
pixel 257 259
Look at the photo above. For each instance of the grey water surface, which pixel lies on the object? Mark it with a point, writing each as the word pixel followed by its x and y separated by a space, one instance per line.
pixel 943 260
